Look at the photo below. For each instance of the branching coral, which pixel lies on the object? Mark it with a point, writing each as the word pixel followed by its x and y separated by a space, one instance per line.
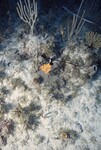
pixel 27 13
pixel 76 25
pixel 93 40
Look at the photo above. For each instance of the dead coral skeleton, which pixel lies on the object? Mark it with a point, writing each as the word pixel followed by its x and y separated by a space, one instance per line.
pixel 19 113
pixel 27 116
pixel 6 123
pixel 6 128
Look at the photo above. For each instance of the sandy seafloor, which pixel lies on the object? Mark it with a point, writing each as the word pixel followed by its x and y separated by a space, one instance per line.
pixel 80 114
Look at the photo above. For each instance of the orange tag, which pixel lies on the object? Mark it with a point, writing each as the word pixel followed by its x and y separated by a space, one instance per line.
pixel 46 68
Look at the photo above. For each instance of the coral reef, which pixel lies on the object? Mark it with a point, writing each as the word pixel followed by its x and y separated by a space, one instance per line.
pixel 50 86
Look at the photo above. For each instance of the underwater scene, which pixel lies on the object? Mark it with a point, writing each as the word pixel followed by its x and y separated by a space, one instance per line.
pixel 50 74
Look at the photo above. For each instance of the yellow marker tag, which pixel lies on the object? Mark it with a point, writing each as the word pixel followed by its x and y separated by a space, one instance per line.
pixel 46 68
